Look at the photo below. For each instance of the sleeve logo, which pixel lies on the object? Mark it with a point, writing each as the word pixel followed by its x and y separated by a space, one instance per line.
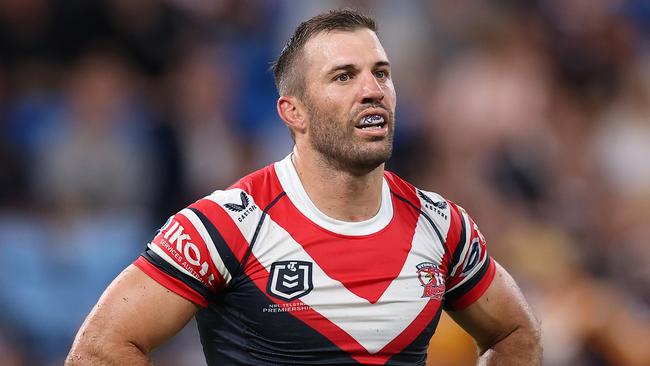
pixel 473 257
pixel 187 254
pixel 432 279
pixel 435 206
pixel 235 207
pixel 289 280
pixel 242 210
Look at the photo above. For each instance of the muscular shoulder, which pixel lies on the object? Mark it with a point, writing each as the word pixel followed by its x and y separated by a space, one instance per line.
pixel 243 203
pixel 207 241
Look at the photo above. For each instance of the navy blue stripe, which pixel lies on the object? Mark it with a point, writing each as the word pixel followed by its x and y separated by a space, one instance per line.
pixel 227 256
pixel 258 227
pixel 433 225
pixel 415 354
pixel 461 290
pixel 169 269
pixel 279 338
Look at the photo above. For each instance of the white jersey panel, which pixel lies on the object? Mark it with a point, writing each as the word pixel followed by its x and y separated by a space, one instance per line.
pixel 241 208
pixel 437 208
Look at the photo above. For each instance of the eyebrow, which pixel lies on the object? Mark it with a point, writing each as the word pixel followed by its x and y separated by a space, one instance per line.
pixel 344 67
pixel 382 64
pixel 352 67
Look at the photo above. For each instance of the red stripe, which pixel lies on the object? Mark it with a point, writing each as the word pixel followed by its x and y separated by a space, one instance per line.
pixel 453 236
pixel 263 184
pixel 260 276
pixel 196 239
pixel 174 285
pixel 368 274
pixel 378 259
pixel 225 225
pixel 473 234
pixel 402 188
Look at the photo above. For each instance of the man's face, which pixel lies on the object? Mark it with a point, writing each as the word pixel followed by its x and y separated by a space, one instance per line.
pixel 350 99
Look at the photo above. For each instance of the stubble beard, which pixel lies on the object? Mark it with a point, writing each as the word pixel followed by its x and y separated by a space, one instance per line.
pixel 345 151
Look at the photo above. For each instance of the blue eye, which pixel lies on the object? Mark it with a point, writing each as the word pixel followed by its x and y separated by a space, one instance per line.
pixel 381 74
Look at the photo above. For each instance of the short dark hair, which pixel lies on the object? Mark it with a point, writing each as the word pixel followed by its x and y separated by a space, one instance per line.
pixel 289 83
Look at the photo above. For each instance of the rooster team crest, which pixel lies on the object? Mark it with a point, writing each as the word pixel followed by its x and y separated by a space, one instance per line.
pixel 432 280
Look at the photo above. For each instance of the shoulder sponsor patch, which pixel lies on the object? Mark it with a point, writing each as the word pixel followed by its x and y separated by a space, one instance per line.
pixel 179 244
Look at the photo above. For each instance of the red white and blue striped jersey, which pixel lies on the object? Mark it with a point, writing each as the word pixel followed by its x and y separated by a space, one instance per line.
pixel 281 283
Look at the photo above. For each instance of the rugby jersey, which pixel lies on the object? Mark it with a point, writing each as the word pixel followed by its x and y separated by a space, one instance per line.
pixel 281 283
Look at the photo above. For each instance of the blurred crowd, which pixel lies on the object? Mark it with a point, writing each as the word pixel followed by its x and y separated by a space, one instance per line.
pixel 532 114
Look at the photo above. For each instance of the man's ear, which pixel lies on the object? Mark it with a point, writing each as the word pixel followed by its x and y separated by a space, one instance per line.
pixel 292 112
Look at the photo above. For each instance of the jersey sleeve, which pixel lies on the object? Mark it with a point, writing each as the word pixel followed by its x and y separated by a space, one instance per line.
pixel 183 258
pixel 470 267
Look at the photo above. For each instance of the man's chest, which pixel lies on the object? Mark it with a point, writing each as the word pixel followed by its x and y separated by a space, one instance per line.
pixel 365 294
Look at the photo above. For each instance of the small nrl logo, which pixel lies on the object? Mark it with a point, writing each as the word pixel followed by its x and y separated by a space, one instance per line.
pixel 289 280
pixel 432 280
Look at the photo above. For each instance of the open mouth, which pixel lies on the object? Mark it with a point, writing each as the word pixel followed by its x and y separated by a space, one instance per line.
pixel 371 122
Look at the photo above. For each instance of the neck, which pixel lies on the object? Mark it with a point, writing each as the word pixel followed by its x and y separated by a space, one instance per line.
pixel 339 194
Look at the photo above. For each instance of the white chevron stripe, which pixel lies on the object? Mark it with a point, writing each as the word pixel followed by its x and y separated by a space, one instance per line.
pixel 372 325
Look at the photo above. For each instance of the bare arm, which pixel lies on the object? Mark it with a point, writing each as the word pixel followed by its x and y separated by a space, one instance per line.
pixel 502 325
pixel 134 315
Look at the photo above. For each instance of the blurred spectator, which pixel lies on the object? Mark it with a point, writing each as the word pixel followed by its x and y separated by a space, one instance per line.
pixel 202 89
pixel 622 138
pixel 489 125
pixel 99 161
pixel 621 147
pixel 25 32
pixel 147 31
pixel 53 271
pixel 90 175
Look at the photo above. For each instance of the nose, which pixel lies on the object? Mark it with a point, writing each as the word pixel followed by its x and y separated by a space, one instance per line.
pixel 371 91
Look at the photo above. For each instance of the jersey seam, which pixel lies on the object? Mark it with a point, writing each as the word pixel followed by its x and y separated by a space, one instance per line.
pixel 424 214
pixel 257 231
pixel 219 241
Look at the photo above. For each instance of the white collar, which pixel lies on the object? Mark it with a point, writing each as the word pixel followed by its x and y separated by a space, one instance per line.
pixel 292 185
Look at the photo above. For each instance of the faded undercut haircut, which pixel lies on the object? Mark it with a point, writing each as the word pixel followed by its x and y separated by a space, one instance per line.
pixel 288 79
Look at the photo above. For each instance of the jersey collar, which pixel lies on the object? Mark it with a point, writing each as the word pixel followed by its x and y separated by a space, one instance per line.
pixel 294 189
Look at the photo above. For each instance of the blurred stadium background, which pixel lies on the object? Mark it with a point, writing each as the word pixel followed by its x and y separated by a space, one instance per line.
pixel 534 115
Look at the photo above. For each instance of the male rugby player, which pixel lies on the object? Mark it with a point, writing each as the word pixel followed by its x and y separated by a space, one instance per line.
pixel 323 258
